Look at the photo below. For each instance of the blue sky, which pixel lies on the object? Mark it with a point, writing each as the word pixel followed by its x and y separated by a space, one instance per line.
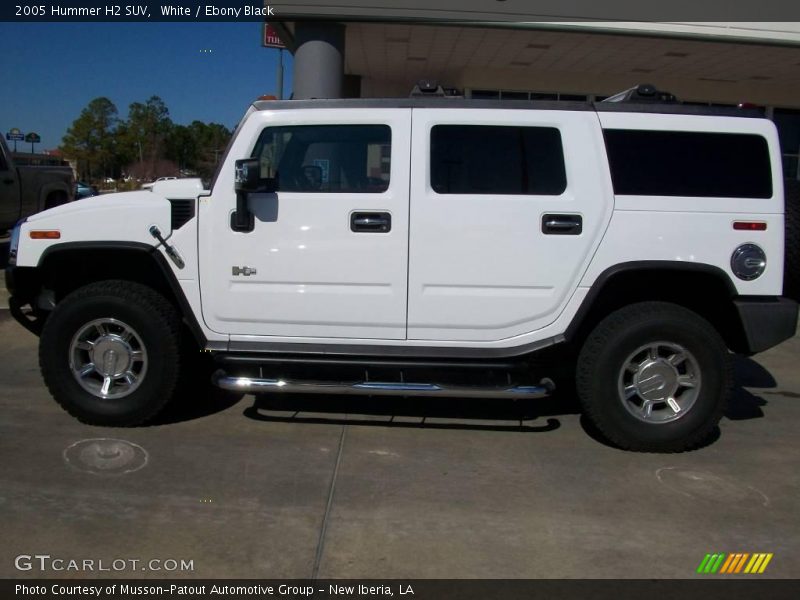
pixel 205 71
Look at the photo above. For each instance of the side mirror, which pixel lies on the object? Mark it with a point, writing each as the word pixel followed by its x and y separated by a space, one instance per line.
pixel 245 180
pixel 247 175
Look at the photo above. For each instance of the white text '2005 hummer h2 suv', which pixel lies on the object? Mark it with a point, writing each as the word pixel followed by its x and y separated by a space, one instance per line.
pixel 444 244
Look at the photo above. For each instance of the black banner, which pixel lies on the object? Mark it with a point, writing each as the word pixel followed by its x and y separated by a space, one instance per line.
pixel 412 589
pixel 406 10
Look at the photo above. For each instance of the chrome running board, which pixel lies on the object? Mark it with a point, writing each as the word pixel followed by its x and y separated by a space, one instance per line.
pixel 258 385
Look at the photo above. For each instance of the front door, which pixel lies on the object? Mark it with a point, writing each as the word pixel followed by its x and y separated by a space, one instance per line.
pixel 327 256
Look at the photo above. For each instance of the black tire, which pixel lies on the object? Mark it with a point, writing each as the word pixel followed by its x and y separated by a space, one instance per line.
pixel 153 319
pixel 602 380
pixel 791 269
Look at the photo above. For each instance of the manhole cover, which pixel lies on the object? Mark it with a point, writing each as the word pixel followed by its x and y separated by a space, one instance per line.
pixel 702 484
pixel 106 456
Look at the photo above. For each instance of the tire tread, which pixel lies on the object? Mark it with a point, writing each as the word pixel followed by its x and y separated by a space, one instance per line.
pixel 136 294
pixel 600 340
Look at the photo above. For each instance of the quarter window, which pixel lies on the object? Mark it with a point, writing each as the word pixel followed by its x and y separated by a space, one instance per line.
pixel 326 158
pixel 487 159
pixel 688 163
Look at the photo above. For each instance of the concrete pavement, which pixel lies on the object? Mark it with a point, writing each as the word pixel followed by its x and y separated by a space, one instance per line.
pixel 346 487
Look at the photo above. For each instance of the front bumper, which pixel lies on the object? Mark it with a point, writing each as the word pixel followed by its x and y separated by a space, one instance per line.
pixel 766 322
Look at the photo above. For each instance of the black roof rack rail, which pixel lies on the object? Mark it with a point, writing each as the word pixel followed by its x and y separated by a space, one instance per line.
pixel 426 89
pixel 644 93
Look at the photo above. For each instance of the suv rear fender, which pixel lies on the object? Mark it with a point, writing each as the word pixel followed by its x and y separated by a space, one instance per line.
pixel 704 289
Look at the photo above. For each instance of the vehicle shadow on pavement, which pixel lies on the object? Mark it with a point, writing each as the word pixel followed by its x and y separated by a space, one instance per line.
pixel 744 404
pixel 412 412
pixel 5 244
pixel 195 403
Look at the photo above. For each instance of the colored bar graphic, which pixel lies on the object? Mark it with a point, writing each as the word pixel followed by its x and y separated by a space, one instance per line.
pixel 704 564
pixel 765 563
pixel 727 564
pixel 735 563
pixel 755 562
pixel 741 562
pixel 718 562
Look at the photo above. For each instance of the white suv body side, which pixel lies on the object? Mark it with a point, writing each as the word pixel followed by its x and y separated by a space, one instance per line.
pixel 456 271
pixel 437 245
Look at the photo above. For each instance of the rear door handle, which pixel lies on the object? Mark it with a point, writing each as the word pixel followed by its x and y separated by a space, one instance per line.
pixel 562 224
pixel 371 222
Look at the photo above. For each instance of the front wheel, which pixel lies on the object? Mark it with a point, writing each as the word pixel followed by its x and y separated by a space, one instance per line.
pixel 654 377
pixel 109 353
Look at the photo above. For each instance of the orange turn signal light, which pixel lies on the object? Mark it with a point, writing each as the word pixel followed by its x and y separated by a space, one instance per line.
pixel 51 234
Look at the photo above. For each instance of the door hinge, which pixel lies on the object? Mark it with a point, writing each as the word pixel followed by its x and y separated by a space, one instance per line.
pixel 246 271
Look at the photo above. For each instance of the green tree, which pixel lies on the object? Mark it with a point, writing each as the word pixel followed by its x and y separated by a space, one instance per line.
pixel 182 148
pixel 145 133
pixel 210 139
pixel 198 147
pixel 91 140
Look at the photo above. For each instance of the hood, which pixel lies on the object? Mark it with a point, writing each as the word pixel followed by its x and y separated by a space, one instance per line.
pixel 96 204
pixel 116 218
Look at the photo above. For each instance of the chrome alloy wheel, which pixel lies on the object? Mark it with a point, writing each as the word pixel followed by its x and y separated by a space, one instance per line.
pixel 659 382
pixel 107 358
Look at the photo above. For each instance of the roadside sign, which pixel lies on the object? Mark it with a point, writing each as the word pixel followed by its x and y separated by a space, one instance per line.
pixel 31 138
pixel 271 38
pixel 15 135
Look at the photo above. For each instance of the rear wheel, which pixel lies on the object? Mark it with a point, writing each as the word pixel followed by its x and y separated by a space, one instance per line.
pixel 109 353
pixel 654 377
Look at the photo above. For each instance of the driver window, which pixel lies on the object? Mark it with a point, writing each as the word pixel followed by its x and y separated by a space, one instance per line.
pixel 326 158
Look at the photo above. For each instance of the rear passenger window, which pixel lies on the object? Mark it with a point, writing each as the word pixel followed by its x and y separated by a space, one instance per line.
pixel 688 163
pixel 326 158
pixel 482 159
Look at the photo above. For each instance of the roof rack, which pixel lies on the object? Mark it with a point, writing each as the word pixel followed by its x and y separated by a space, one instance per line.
pixel 426 88
pixel 643 93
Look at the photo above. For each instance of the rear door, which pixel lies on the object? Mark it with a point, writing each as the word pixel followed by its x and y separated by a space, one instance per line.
pixel 507 207
pixel 327 257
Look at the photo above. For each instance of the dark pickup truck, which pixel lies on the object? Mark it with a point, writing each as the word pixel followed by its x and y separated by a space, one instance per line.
pixel 25 190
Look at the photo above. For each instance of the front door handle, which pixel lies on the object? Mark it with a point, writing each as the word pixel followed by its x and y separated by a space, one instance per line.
pixel 562 224
pixel 371 222
pixel 8 181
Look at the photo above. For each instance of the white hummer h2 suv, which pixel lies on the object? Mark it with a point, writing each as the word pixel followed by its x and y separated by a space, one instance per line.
pixel 431 246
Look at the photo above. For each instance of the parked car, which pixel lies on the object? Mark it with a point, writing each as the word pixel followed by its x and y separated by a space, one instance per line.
pixel 84 190
pixel 149 186
pixel 430 247
pixel 28 189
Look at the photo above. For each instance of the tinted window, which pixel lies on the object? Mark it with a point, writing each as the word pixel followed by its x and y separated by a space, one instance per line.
pixel 478 159
pixel 326 158
pixel 684 163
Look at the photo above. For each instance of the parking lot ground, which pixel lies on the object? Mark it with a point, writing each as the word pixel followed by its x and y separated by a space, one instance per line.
pixel 295 487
